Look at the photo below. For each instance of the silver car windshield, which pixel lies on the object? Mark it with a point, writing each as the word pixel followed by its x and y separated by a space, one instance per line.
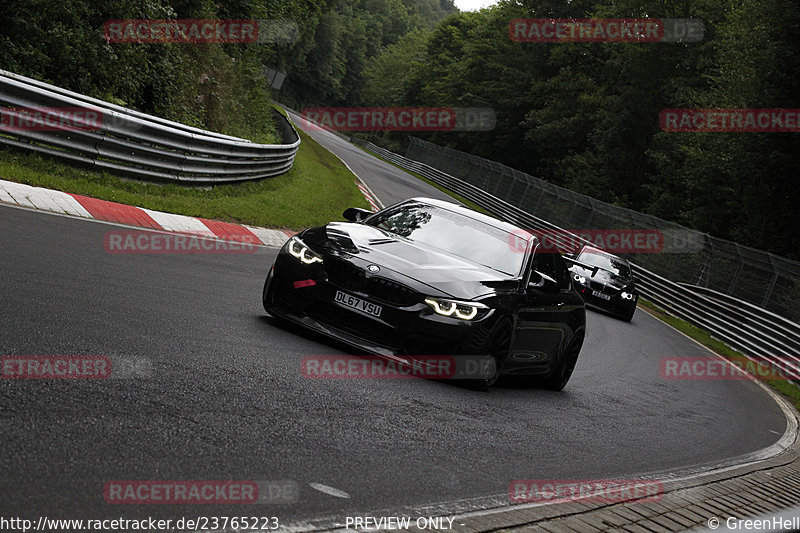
pixel 455 234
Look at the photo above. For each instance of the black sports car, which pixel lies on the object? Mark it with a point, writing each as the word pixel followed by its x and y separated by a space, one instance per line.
pixel 605 281
pixel 427 277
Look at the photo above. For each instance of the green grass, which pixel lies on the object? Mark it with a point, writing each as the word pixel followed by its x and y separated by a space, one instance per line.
pixel 315 191
pixel 786 388
pixel 469 203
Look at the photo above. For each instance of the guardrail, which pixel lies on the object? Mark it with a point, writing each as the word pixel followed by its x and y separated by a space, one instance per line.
pixel 134 144
pixel 759 334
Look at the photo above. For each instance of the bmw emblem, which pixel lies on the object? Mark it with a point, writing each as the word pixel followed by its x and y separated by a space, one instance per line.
pixel 373 268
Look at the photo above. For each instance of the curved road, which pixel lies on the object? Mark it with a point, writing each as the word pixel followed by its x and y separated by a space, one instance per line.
pixel 221 395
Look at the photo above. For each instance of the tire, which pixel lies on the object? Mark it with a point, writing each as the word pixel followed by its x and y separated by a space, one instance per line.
pixel 628 317
pixel 559 378
pixel 498 345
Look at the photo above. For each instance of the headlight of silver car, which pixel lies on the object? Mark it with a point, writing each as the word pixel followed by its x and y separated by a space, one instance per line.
pixel 298 249
pixel 580 279
pixel 462 310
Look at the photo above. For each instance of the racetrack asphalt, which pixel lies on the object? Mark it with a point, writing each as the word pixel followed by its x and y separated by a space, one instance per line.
pixel 222 397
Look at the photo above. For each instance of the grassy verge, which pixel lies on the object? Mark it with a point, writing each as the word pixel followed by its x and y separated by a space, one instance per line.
pixel 468 203
pixel 787 389
pixel 315 191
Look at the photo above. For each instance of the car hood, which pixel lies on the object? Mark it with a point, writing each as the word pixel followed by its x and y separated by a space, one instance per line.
pixel 407 261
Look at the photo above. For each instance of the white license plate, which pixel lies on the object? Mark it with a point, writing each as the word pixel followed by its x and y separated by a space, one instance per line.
pixel 601 295
pixel 358 304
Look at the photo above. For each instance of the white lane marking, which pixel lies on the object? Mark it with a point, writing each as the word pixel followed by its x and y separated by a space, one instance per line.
pixel 181 223
pixel 330 491
pixel 773 431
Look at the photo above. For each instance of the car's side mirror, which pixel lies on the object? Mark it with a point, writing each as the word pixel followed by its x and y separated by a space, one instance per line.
pixel 355 214
pixel 542 282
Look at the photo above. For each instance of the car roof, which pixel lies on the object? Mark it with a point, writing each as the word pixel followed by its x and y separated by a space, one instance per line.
pixel 471 213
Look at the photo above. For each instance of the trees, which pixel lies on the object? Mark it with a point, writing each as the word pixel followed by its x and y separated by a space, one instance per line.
pixel 586 115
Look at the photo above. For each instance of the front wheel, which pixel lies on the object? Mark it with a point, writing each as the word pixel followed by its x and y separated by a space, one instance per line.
pixel 498 345
pixel 559 378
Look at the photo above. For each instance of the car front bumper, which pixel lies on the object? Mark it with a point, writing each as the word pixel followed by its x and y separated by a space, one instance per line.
pixel 304 295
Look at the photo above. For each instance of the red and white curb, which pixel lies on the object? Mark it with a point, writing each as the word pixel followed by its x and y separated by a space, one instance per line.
pixel 373 201
pixel 85 207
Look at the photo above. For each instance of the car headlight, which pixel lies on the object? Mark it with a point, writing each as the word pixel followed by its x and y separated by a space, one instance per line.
pixel 462 310
pixel 580 279
pixel 298 249
pixel 627 295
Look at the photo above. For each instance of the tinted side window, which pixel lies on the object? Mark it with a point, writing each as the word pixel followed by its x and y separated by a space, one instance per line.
pixel 554 266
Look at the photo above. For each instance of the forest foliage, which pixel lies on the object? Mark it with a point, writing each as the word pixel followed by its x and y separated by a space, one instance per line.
pixel 580 115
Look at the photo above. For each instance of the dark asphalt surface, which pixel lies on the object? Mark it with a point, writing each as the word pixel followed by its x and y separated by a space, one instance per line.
pixel 225 398
pixel 220 395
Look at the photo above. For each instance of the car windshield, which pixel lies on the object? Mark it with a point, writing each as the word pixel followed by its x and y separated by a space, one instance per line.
pixel 617 266
pixel 453 233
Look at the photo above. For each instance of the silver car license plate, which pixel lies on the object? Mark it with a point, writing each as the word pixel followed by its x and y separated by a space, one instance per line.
pixel 601 295
pixel 358 304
